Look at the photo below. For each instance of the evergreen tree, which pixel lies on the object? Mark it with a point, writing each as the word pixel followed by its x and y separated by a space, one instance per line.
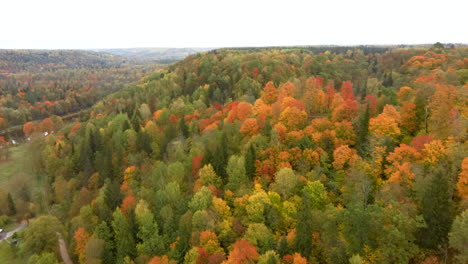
pixel 11 205
pixel 103 232
pixel 303 239
pixel 123 237
pixel 183 128
pixel 363 132
pixel 283 247
pixel 436 210
pixel 250 158
pixel 220 158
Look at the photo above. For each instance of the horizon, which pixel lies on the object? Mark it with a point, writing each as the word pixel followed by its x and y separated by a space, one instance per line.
pixel 415 45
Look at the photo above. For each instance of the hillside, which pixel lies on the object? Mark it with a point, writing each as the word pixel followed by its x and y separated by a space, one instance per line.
pixel 162 55
pixel 36 84
pixel 261 155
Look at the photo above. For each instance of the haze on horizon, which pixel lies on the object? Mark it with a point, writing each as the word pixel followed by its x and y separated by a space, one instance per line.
pixel 90 24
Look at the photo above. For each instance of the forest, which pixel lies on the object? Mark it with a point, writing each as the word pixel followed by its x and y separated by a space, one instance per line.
pixel 289 155
pixel 35 85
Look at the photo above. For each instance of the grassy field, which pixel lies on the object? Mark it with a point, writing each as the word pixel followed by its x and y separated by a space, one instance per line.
pixel 15 165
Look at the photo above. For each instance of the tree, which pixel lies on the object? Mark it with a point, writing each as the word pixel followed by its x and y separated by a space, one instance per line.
pixel 303 239
pixel 11 205
pixel 441 106
pixel 81 238
pixel 123 236
pixel 250 158
pixel 201 200
pixel 285 181
pixel 409 118
pixel 152 243
pixel 436 210
pixel 344 156
pixel 28 128
pixel 363 131
pixel 270 257
pixel 347 91
pixel 250 127
pixel 260 236
pixel 462 184
pixel 41 235
pixel 236 173
pixel 458 237
pixel 44 258
pixel 270 93
pixel 242 253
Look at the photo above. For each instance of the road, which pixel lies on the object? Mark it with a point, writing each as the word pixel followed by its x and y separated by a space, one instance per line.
pixel 63 250
pixel 6 235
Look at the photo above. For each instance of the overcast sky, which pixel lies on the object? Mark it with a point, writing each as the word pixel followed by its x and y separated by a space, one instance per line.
pixel 84 24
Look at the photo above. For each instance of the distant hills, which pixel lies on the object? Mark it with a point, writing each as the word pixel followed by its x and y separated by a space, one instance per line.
pixel 161 55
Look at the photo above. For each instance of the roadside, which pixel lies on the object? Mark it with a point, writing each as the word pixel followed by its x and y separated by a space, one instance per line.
pixel 7 235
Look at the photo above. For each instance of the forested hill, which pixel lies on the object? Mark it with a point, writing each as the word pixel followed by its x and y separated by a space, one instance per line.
pixel 160 55
pixel 12 61
pixel 264 156
pixel 37 84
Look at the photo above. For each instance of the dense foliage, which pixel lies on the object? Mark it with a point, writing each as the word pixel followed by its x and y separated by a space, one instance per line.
pixel 37 84
pixel 268 156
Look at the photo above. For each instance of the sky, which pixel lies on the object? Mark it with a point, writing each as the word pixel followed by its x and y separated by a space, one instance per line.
pixel 93 24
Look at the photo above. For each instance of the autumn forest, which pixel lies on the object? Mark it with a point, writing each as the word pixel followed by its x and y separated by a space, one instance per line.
pixel 289 155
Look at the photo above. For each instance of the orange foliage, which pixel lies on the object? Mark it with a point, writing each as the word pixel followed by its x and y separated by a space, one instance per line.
pixel 330 93
pixel 28 128
pixel 298 259
pixel 270 93
pixel 287 89
pixel 128 204
pixel 434 151
pixel 244 110
pixel 281 130
pixel 250 127
pixel 261 109
pixel 161 260
pixel 196 165
pixel 81 238
pixel 292 117
pixel 442 103
pixel 242 252
pixel 408 117
pixel 345 111
pixel 391 112
pixel 157 114
pixel 291 102
pixel 343 156
pixel 386 124
pixel 347 91
pixel 47 125
pixel 405 94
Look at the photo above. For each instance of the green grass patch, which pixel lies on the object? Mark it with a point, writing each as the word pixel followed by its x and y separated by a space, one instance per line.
pixel 16 164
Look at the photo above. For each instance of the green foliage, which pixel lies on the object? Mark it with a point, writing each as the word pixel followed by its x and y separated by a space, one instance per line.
pixel 437 212
pixel 270 257
pixel 44 258
pixel 123 236
pixel 303 239
pixel 458 237
pixel 41 236
pixel 173 144
pixel 236 171
pixel 201 200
